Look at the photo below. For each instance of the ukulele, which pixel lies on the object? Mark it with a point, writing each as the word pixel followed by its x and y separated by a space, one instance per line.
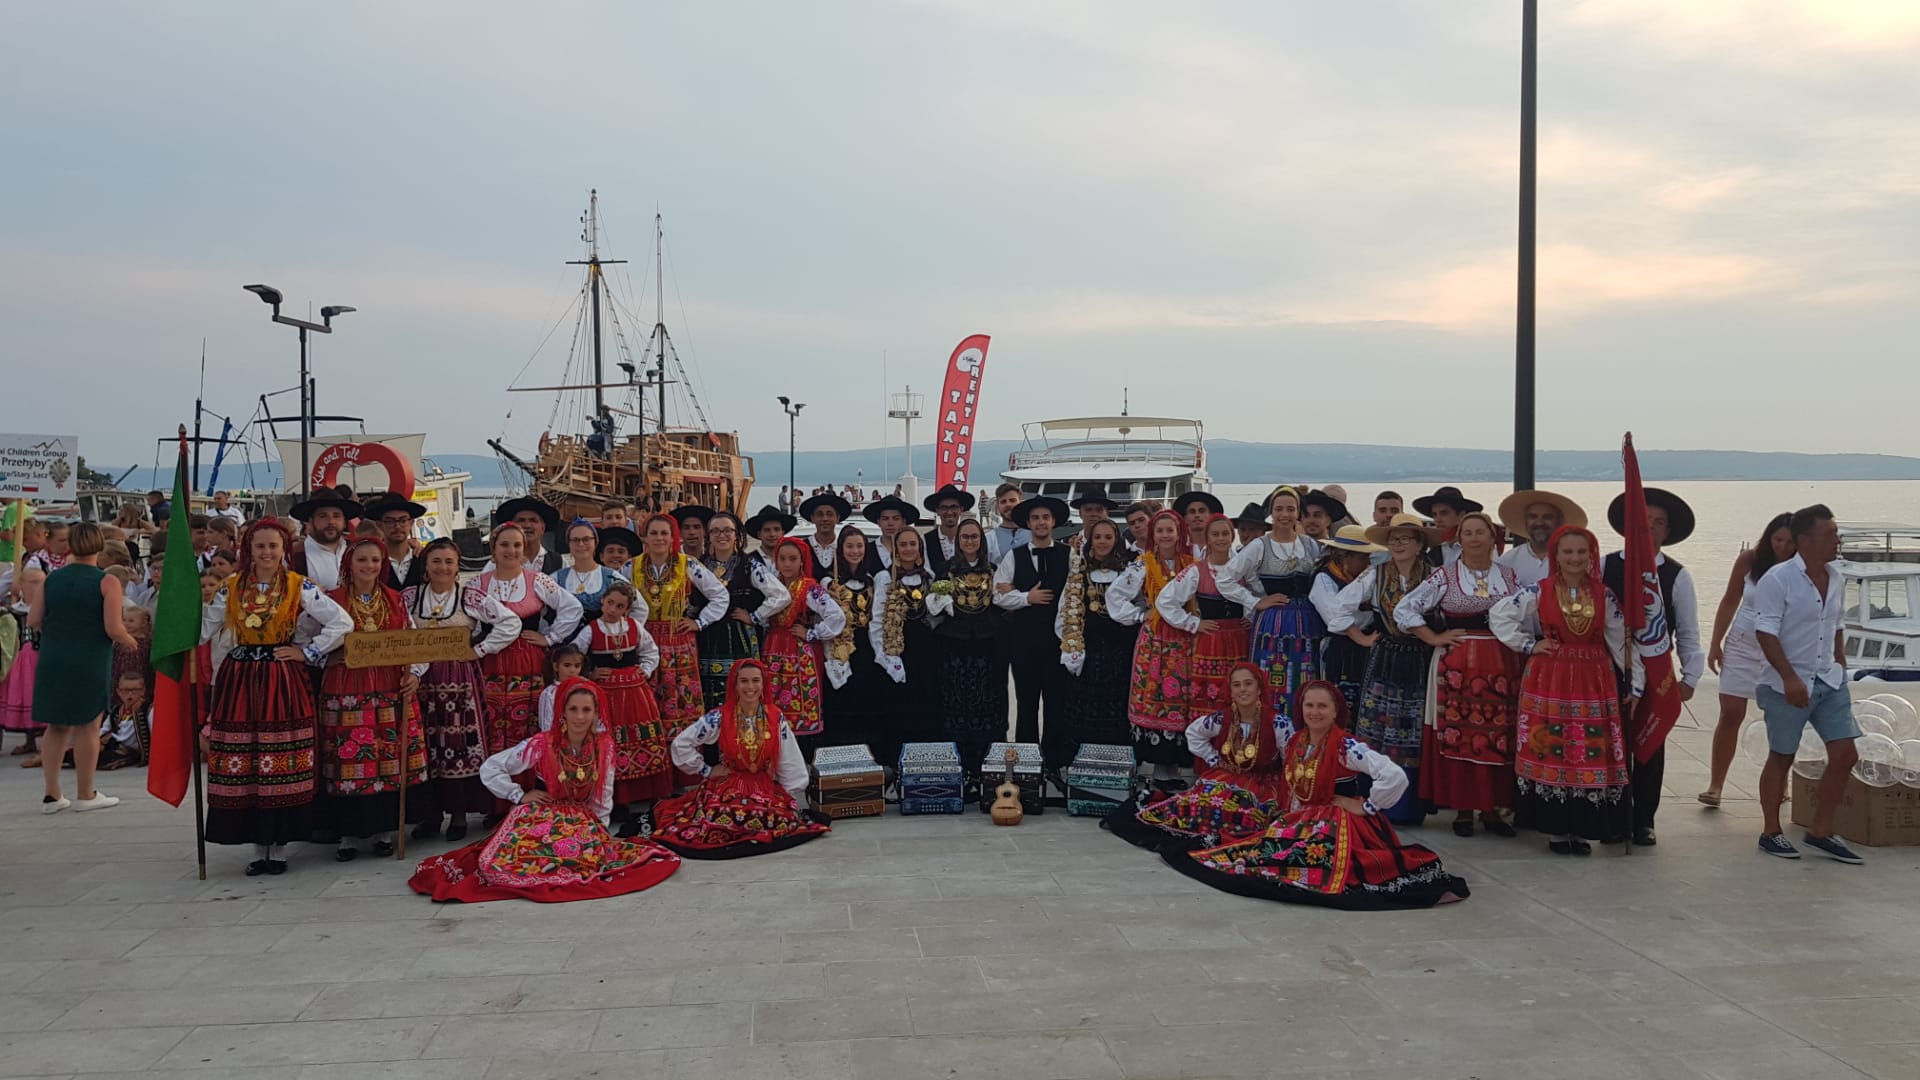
pixel 1006 809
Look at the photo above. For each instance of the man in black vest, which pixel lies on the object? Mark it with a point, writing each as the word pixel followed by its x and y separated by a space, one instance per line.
pixel 1094 507
pixel 538 520
pixel 692 520
pixel 892 514
pixel 1671 521
pixel 826 511
pixel 948 504
pixel 1028 583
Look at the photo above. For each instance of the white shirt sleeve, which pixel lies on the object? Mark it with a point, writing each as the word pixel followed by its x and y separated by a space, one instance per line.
pixel 877 624
pixel 334 622
pixel 584 640
pixel 213 616
pixel 601 802
pixel 708 587
pixel 1232 588
pixel 768 582
pixel 1515 620
pixel 1348 601
pixel 547 697
pixel 1389 780
pixel 832 619
pixel 685 749
pixel 1012 599
pixel 792 770
pixel 498 771
pixel 1325 595
pixel 1686 629
pixel 644 644
pixel 1244 568
pixel 1412 609
pixel 1625 657
pixel 1123 596
pixel 1200 736
pixel 503 625
pixel 1172 601
pixel 566 608
pixel 1769 600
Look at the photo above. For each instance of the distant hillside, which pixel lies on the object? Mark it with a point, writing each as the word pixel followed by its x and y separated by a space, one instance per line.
pixel 1234 462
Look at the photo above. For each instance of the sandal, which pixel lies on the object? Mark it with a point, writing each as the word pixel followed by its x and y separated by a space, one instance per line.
pixel 20 751
pixel 1710 799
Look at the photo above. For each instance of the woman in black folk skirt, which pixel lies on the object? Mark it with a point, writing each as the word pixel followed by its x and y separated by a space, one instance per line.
pixel 904 647
pixel 1096 647
pixel 858 695
pixel 973 666
pixel 1351 635
pixel 753 592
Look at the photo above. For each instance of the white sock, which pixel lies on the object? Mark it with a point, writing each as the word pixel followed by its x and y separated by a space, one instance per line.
pixel 279 853
pixel 260 852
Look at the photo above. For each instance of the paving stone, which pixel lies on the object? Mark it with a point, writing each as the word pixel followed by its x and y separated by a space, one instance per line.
pixel 830 1018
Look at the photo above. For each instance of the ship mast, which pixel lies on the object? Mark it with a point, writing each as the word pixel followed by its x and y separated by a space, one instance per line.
pixel 660 314
pixel 590 233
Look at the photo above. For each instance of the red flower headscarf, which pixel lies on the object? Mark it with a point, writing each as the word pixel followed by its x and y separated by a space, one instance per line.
pixel 1268 746
pixel 797 589
pixel 396 616
pixel 731 750
pixel 1552 617
pixel 571 786
pixel 1329 751
pixel 245 567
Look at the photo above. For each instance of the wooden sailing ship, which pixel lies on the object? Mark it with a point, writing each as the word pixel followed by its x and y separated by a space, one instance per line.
pixel 656 465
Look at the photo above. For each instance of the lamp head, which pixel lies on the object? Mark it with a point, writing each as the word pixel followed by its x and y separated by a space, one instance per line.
pixel 336 309
pixel 267 294
pixel 785 400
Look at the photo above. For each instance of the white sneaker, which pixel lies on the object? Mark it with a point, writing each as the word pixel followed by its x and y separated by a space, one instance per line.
pixel 100 801
pixel 56 805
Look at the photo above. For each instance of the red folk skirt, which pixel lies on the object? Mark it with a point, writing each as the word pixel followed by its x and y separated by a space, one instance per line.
pixel 1214 654
pixel 1466 754
pixel 260 767
pixel 735 815
pixel 676 682
pixel 363 739
pixel 793 670
pixel 515 677
pixel 642 771
pixel 550 853
pixel 1162 680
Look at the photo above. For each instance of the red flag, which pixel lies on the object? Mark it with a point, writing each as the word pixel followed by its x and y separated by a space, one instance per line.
pixel 1645 611
pixel 176 638
pixel 959 398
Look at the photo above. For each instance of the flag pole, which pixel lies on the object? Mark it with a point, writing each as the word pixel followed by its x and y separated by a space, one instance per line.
pixel 1628 584
pixel 405 742
pixel 199 797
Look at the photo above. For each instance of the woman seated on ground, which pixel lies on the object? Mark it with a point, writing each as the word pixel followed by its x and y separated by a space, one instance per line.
pixel 1239 789
pixel 554 844
pixel 755 800
pixel 1332 847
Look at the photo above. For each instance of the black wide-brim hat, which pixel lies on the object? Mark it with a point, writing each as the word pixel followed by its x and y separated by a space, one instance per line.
pixel 907 510
pixel 1040 502
pixel 390 500
pixel 1335 509
pixel 303 511
pixel 506 512
pixel 1252 516
pixel 766 514
pixel 691 512
pixel 1180 504
pixel 1680 520
pixel 948 491
pixel 1095 496
pixel 840 505
pixel 617 534
pixel 1449 496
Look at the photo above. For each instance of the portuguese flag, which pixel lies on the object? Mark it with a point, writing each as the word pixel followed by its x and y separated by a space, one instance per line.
pixel 176 635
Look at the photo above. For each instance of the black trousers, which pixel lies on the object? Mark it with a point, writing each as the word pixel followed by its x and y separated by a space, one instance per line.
pixel 1646 789
pixel 1039 685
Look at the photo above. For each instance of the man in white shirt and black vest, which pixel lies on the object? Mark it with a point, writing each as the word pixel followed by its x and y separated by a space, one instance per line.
pixel 826 511
pixel 395 514
pixel 1028 583
pixel 1093 507
pixel 1678 630
pixel 317 556
pixel 892 514
pixel 536 519
pixel 949 504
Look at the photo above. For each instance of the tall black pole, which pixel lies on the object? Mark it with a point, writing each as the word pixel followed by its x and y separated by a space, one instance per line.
pixel 793 419
pixel 1523 371
pixel 306 413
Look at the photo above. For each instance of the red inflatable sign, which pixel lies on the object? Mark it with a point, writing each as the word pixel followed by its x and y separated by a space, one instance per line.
pixel 326 467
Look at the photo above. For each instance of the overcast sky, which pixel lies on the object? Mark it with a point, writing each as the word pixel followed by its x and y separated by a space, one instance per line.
pixel 1295 221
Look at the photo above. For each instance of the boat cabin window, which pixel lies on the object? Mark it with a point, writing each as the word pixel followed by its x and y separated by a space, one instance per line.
pixel 1871 650
pixel 1853 646
pixel 1887 599
pixel 1031 487
pixel 1153 489
pixel 1056 487
pixel 1895 651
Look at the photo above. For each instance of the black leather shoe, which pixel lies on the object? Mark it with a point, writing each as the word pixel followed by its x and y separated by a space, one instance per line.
pixel 1645 838
pixel 1499 828
pixel 276 867
pixel 1581 847
pixel 1559 847
pixel 383 848
pixel 458 830
pixel 346 854
pixel 256 867
pixel 1462 827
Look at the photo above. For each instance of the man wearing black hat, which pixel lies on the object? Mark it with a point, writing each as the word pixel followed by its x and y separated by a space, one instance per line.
pixel 536 519
pixel 1671 521
pixel 1094 507
pixel 692 520
pixel 1027 583
pixel 892 514
pixel 948 504
pixel 826 511
pixel 395 515
pixel 1444 508
pixel 1198 508
pixel 1252 524
pixel 317 558
pixel 1320 515
pixel 769 526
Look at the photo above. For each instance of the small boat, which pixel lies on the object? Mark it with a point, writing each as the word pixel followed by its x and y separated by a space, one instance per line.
pixel 1132 457
pixel 1882 632
pixel 1879 542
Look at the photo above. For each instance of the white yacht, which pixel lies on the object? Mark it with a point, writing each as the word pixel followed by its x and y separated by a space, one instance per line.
pixel 1132 457
pixel 1882 633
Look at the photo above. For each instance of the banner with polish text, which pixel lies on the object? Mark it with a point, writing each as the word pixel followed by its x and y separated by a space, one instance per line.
pixel 959 402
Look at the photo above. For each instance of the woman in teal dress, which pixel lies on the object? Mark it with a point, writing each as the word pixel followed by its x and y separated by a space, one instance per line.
pixel 78 616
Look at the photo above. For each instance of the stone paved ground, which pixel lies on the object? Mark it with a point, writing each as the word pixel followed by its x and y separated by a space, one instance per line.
pixel 904 948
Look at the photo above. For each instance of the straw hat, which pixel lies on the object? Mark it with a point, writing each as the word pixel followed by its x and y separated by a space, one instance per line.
pixel 1351 540
pixel 1409 522
pixel 1513 510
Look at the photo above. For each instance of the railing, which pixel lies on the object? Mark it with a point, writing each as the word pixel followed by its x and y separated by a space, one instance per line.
pixel 1151 452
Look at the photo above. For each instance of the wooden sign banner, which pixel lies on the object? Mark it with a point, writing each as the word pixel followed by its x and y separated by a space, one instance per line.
pixel 392 648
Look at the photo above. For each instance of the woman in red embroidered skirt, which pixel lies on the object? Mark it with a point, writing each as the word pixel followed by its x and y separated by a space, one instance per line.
pixel 554 845
pixel 678 599
pixel 621 655
pixel 1239 789
pixel 371 740
pixel 1466 755
pixel 1163 654
pixel 1571 757
pixel 755 800
pixel 1333 847
pixel 260 726
pixel 1206 602
pixel 517 674
pixel 793 648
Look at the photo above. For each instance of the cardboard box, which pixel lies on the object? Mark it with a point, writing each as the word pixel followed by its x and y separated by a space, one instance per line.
pixel 1876 817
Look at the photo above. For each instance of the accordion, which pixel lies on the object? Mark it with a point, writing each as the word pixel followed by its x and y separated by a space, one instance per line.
pixel 847 782
pixel 1100 779
pixel 931 779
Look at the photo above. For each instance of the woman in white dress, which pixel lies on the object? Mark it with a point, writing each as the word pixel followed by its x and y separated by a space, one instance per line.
pixel 1734 654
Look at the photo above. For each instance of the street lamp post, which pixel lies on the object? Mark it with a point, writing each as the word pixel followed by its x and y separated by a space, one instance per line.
pixel 793 415
pixel 270 295
pixel 1523 359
